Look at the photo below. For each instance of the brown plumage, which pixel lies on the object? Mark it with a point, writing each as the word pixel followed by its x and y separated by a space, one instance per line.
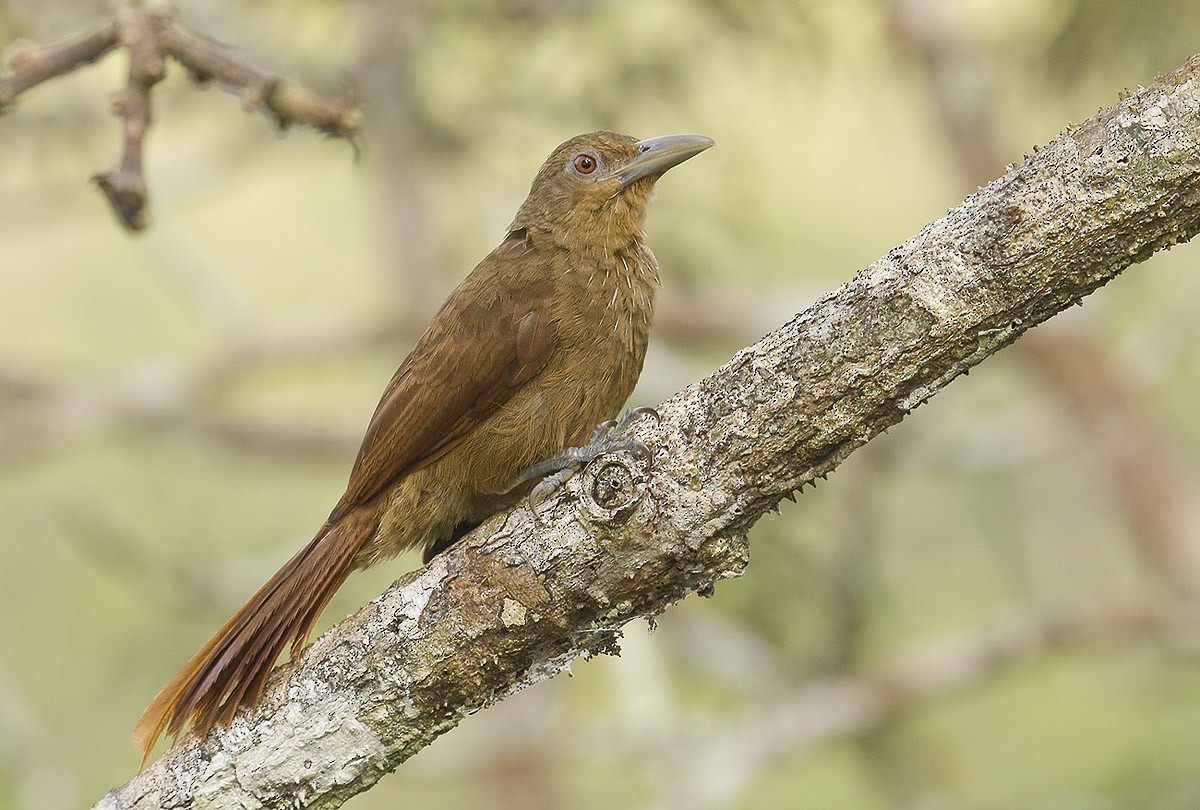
pixel 542 341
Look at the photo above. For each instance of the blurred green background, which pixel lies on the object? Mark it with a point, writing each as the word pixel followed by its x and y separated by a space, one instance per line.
pixel 989 607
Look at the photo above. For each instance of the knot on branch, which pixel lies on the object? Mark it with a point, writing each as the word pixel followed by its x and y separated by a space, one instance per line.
pixel 613 486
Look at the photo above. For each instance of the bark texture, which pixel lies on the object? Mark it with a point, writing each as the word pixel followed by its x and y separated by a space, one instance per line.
pixel 519 599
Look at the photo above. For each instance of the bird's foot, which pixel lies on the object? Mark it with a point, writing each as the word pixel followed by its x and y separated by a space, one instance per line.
pixel 555 471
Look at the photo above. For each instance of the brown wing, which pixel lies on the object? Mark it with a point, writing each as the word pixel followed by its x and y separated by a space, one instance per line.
pixel 492 335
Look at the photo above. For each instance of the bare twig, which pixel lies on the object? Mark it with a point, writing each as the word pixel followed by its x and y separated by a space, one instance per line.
pixel 150 31
pixel 285 100
pixel 30 65
pixel 139 30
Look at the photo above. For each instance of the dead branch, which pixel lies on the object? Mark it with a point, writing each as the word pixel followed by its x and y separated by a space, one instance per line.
pixel 149 30
pixel 30 65
pixel 284 99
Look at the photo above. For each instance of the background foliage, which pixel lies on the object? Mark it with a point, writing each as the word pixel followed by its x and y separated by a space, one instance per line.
pixel 987 608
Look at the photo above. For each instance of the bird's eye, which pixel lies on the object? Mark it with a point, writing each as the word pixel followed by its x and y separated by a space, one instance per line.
pixel 585 164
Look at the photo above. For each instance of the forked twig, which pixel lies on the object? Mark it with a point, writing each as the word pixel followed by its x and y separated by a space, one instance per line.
pixel 149 30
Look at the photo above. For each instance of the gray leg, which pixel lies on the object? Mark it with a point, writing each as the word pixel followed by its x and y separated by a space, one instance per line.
pixel 555 471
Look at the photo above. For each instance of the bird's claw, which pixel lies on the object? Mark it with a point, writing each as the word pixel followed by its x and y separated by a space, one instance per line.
pixel 632 415
pixel 555 471
pixel 547 486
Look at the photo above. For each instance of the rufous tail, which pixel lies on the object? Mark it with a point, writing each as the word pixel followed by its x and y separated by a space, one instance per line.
pixel 231 669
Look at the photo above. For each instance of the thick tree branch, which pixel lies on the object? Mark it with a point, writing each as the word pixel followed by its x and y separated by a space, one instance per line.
pixel 1152 486
pixel 516 601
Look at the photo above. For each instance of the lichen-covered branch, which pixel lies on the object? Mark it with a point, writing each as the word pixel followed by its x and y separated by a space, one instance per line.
pixel 149 30
pixel 1152 487
pixel 517 600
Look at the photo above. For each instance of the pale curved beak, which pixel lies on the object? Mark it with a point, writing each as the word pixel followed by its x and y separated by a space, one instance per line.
pixel 655 155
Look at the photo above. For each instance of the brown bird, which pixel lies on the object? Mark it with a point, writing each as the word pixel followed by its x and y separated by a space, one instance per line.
pixel 544 339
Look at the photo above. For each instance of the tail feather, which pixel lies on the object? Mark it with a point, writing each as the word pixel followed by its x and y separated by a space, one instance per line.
pixel 231 669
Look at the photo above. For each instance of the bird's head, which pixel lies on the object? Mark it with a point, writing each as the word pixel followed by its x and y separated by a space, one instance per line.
pixel 594 189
